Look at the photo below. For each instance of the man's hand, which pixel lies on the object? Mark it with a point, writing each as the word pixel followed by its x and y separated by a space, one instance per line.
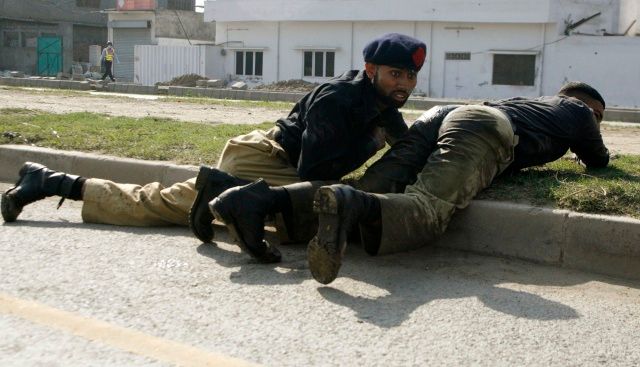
pixel 380 136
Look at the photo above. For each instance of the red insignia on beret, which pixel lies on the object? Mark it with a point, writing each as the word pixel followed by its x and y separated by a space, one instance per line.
pixel 418 57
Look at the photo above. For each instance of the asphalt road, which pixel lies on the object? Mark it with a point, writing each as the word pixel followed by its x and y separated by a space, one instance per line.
pixel 74 294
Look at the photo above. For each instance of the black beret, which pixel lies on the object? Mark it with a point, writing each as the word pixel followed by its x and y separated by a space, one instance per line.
pixel 396 49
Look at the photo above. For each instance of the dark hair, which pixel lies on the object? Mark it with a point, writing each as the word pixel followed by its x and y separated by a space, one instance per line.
pixel 109 43
pixel 584 88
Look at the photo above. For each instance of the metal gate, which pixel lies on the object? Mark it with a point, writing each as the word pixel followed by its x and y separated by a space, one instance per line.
pixel 49 55
pixel 124 41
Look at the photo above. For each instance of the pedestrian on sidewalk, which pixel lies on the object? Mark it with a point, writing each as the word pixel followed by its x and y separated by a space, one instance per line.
pixel 107 58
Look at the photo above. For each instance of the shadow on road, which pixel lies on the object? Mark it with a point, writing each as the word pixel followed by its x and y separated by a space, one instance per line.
pixel 396 285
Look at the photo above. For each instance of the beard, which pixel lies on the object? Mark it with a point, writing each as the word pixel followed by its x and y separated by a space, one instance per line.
pixel 386 98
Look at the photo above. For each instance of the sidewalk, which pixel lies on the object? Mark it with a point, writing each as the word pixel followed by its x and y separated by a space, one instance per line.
pixel 601 244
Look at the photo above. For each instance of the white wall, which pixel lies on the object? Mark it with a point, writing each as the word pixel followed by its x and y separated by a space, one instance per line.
pixel 609 64
pixel 165 41
pixel 629 11
pixel 500 11
pixel 162 63
pixel 475 76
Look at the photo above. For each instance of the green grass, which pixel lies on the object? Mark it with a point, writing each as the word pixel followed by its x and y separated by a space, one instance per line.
pixel 147 138
pixel 271 105
pixel 564 184
pixel 561 184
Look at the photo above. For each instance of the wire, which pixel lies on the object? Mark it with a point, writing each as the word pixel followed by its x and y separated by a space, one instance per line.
pixel 181 25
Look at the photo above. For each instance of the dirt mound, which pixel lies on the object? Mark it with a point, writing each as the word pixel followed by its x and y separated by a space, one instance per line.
pixel 187 80
pixel 293 85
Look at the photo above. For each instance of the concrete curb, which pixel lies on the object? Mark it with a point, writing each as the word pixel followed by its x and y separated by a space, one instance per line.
pixel 602 244
pixel 611 114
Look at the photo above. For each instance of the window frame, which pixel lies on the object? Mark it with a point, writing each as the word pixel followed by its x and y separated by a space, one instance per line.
pixel 324 71
pixel 528 80
pixel 256 55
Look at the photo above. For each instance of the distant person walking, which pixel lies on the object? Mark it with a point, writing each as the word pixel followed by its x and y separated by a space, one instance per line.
pixel 108 54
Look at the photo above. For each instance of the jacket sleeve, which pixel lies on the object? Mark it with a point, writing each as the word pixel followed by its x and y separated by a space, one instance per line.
pixel 589 147
pixel 330 146
pixel 395 127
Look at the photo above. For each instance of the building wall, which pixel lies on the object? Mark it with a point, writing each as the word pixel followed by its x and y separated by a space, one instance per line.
pixel 55 11
pixel 84 37
pixel 610 64
pixel 494 11
pixel 174 23
pixel 56 17
pixel 18 41
pixel 629 12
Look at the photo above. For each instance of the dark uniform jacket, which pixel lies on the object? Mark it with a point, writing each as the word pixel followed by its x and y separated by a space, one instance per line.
pixel 547 127
pixel 328 133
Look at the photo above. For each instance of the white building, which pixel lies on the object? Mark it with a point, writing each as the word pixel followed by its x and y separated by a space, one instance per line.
pixel 476 49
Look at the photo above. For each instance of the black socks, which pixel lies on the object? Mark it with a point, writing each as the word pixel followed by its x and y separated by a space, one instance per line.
pixel 76 189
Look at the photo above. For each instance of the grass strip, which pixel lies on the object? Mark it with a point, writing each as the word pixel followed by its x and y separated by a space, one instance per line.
pixel 562 184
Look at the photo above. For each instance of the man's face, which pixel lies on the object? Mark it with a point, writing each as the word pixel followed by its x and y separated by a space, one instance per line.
pixel 393 85
pixel 597 108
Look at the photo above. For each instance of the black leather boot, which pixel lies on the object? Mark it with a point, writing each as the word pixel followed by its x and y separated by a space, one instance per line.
pixel 36 182
pixel 340 208
pixel 243 209
pixel 210 183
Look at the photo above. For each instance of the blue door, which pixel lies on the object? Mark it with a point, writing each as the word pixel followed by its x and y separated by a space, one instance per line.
pixel 49 55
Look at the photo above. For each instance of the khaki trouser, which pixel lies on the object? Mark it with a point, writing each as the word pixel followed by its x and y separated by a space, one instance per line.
pixel 249 156
pixel 475 144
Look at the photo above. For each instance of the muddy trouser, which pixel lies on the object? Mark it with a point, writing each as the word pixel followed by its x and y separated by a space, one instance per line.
pixel 400 165
pixel 396 169
pixel 475 144
pixel 249 156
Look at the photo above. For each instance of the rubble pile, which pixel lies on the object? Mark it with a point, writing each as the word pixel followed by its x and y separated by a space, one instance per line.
pixel 293 85
pixel 187 80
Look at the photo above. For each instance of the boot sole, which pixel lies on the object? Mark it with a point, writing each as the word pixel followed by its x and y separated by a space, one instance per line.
pixel 205 236
pixel 8 208
pixel 222 215
pixel 324 252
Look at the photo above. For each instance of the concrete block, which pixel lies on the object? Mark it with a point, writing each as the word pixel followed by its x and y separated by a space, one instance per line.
pixel 202 83
pixel 603 244
pixel 217 93
pixel 215 83
pixel 16 74
pixel 239 86
pixel 507 229
pixel 12 157
pixel 50 83
pixel 121 170
pixel 174 173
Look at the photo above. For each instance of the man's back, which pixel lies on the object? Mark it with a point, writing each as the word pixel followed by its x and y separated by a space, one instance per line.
pixel 548 126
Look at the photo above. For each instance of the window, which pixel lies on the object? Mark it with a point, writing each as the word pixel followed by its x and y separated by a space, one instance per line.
pixel 511 69
pixel 319 63
pixel 180 5
pixel 458 56
pixel 29 39
pixel 249 63
pixel 88 4
pixel 10 39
